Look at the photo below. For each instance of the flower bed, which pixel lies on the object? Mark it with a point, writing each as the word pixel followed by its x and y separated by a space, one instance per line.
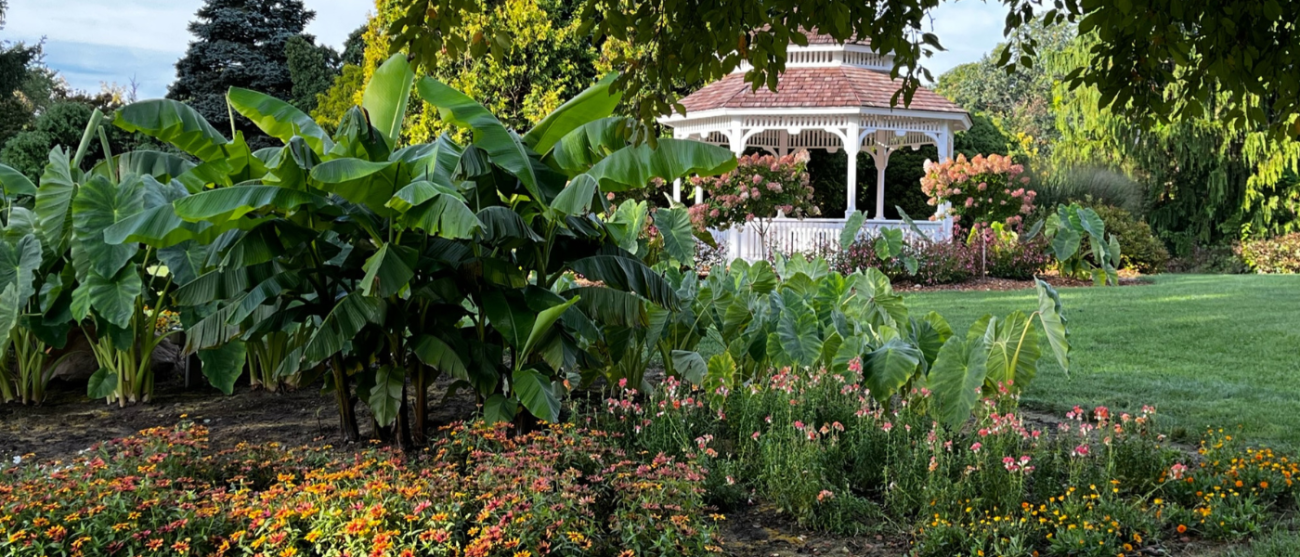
pixel 475 492
pixel 1099 483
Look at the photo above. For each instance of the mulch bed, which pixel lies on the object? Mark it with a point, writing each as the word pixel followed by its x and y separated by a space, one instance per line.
pixel 990 284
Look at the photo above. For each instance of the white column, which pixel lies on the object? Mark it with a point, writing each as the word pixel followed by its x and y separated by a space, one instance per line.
pixel 880 154
pixel 784 146
pixel 852 145
pixel 736 139
pixel 677 190
pixel 944 145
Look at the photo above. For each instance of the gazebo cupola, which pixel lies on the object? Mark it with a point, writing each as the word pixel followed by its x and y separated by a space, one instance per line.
pixel 831 96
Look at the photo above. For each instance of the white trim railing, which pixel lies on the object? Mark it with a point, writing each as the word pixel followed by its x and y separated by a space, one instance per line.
pixel 787 235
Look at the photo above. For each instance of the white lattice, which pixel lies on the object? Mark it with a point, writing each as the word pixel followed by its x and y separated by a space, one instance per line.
pixel 810 235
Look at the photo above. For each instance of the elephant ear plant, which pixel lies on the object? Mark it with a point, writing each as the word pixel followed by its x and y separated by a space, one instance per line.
pixel 1066 229
pixel 392 263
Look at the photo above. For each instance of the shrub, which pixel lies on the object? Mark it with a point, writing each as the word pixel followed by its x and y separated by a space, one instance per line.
pixel 759 187
pixel 1001 253
pixel 1216 259
pixel 1279 255
pixel 1142 250
pixel 943 262
pixel 981 190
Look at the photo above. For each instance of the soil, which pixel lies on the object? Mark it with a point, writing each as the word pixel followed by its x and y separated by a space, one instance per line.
pixel 68 422
pixel 989 284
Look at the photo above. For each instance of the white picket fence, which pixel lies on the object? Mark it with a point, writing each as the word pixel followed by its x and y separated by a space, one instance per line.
pixel 787 235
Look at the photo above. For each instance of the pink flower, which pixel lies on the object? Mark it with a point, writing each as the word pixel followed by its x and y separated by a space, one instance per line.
pixel 1177 471
pixel 1081 450
pixel 798 424
pixel 888 426
pixel 757 179
pixel 825 495
pixel 754 436
pixel 976 447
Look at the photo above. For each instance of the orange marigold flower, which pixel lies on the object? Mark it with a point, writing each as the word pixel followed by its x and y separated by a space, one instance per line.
pixel 1182 528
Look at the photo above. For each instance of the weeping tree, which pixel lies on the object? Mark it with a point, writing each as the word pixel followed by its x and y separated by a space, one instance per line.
pixel 397 263
pixel 1210 178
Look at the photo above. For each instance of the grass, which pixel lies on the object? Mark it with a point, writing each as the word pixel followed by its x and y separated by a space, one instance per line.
pixel 1206 350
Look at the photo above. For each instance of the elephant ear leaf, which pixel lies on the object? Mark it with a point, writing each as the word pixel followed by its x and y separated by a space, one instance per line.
pixel 10 308
pixel 175 123
pixel 889 367
pixel 102 384
pixel 490 135
pixel 386 96
pixel 543 324
pixel 674 226
pixel 99 204
pixel 223 365
pixel 956 378
pixel 279 119
pixel 53 200
pixel 15 183
pixel 851 228
pixel 1049 312
pixel 536 394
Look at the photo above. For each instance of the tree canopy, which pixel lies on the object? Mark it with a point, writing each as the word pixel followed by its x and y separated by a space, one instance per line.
pixel 1146 47
pixel 239 43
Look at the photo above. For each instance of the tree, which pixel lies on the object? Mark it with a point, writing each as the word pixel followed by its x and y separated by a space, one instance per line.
pixel 1247 47
pixel 548 59
pixel 1018 101
pixel 1209 179
pixel 312 69
pixel 240 43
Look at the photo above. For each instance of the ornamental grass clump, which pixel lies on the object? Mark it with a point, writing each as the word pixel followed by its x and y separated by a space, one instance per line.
pixel 980 190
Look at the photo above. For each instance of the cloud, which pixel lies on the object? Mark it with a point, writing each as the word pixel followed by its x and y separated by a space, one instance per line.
pixel 92 41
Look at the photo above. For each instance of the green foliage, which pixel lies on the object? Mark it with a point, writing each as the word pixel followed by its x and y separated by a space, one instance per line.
pixel 312 69
pixel 1278 255
pixel 238 43
pixel 1091 186
pixel 384 264
pixel 331 105
pixel 1143 251
pixel 1067 229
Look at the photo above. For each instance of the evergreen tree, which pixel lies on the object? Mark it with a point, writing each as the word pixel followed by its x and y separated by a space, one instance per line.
pixel 312 69
pixel 240 43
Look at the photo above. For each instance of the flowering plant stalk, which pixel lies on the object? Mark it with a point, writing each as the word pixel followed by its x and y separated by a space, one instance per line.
pixel 981 189
pixel 761 188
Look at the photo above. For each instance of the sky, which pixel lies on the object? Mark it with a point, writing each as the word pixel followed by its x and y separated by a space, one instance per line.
pixel 116 41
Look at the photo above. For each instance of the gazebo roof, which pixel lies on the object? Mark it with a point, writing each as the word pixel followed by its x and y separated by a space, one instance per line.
pixel 842 86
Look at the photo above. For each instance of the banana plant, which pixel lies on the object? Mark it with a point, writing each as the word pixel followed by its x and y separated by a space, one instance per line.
pixel 398 263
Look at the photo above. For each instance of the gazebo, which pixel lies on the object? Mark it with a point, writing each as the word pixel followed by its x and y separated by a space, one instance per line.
pixel 831 96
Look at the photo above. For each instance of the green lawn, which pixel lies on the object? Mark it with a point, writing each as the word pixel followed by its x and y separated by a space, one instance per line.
pixel 1216 350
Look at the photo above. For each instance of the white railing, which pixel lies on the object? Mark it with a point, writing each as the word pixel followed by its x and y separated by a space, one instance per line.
pixel 786 235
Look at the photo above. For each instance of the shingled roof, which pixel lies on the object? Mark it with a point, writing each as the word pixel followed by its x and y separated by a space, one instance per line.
pixel 814 87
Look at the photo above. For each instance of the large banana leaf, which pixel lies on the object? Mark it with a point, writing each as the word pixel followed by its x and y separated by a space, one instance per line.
pixel 594 103
pixel 162 166
pixel 348 317
pixel 175 123
pixel 388 271
pixel 386 96
pixel 53 200
pixel 534 391
pixel 385 397
pixel 14 183
pixel 543 325
pixel 222 204
pixel 610 307
pixel 98 205
pixel 445 217
pixel 628 275
pixel 578 197
pixel 436 353
pixel 586 145
pixel 506 149
pixel 363 182
pixel 279 119
pixel 509 317
pixel 634 167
